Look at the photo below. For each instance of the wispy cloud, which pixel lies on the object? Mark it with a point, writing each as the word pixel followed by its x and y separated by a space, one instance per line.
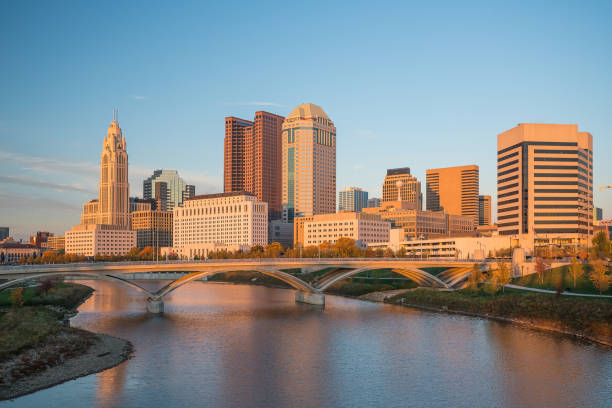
pixel 255 103
pixel 138 97
pixel 10 200
pixel 25 181
pixel 358 166
pixel 46 165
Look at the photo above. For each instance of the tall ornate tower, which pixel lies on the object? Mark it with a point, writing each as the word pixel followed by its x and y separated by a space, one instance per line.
pixel 114 188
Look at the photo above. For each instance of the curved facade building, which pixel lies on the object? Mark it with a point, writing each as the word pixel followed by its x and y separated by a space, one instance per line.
pixel 309 163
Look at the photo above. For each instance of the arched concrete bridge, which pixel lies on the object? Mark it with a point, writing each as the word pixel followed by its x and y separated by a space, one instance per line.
pixel 457 271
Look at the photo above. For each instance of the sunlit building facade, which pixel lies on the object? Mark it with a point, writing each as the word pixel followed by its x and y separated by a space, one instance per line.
pixel 225 219
pixel 545 183
pixel 453 190
pixel 400 185
pixel 352 199
pixel 484 210
pixel 367 228
pixel 252 158
pixel 105 221
pixel 308 163
pixel 167 188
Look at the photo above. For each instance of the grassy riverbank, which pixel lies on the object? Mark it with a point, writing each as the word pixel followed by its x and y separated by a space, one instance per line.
pixel 550 279
pixel 588 317
pixel 66 295
pixel 37 350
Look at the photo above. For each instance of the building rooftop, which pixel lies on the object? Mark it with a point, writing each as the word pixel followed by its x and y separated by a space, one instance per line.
pixel 401 170
pixel 220 195
pixel 308 110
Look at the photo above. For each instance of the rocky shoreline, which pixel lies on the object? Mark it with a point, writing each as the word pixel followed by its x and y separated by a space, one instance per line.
pixel 105 352
pixel 65 356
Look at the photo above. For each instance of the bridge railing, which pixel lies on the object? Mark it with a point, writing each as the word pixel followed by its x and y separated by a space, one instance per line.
pixel 254 261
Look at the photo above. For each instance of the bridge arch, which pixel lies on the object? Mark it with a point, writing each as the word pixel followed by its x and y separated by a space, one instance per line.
pixel 289 279
pixel 109 277
pixel 419 276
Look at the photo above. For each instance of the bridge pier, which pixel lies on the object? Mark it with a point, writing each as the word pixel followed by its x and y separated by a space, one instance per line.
pixel 155 306
pixel 310 298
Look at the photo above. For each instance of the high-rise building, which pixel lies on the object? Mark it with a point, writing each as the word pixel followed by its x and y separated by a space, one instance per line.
pixel 174 189
pixel 484 210
pixel 4 233
pixel 161 195
pixel 545 183
pixel 189 191
pixel 597 215
pixel 114 187
pixel 373 202
pixel 352 199
pixel 252 158
pixel 400 185
pixel 453 190
pixel 105 222
pixel 308 163
pixel 142 204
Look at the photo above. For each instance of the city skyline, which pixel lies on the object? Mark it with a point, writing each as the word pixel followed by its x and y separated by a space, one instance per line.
pixel 51 126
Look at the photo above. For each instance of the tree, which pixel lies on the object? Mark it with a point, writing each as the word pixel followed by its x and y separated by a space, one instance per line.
pixel 133 254
pixel 345 247
pixel 273 250
pixel 48 257
pixel 401 252
pixel 491 286
pixel 17 297
pixel 599 277
pixel 576 270
pixel 503 274
pixel 540 267
pixel 601 246
pixel 474 278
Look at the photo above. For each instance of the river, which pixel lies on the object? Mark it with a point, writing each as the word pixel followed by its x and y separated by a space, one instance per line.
pixel 221 345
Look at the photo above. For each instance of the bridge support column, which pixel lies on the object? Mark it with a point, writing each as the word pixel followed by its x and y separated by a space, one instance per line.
pixel 310 298
pixel 155 306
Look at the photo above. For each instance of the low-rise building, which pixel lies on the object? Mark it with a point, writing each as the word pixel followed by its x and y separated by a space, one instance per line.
pixel 99 239
pixel 367 228
pixel 153 228
pixel 201 251
pixel 56 243
pixel 281 232
pixel 418 224
pixel 451 247
pixel 12 251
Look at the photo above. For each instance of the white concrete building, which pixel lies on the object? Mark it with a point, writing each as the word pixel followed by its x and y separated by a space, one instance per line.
pixel 100 239
pixel 451 247
pixel 367 228
pixel 222 219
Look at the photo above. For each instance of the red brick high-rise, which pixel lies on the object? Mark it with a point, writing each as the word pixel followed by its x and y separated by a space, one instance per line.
pixel 252 158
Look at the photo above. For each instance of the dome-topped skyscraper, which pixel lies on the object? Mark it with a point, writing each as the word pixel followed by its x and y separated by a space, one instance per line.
pixel 309 163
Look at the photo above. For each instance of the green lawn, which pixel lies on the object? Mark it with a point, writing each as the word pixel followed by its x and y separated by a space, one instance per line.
pixel 590 315
pixel 550 278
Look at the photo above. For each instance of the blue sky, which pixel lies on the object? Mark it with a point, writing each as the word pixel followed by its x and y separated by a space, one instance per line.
pixel 418 84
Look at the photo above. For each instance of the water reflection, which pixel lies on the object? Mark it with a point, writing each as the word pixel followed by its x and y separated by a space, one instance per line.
pixel 230 345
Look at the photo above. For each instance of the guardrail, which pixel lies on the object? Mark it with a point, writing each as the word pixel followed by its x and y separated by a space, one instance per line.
pixel 313 261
